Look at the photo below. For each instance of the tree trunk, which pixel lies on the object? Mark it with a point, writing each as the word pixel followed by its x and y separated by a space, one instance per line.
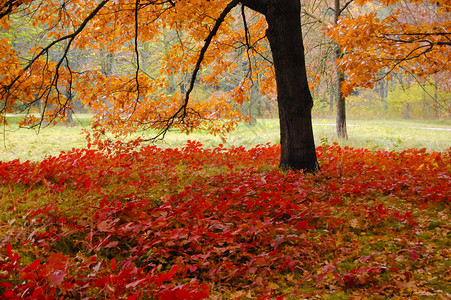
pixel 250 107
pixel 293 94
pixel 383 92
pixel 341 101
pixel 69 113
pixel 342 132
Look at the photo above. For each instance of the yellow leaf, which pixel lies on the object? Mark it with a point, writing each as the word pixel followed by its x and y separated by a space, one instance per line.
pixel 354 223
pixel 273 285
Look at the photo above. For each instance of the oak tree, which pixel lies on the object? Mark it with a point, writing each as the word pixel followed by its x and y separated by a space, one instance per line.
pixel 133 99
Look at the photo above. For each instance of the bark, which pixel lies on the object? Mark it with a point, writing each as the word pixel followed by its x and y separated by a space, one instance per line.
pixel 341 104
pixel 341 101
pixel 69 113
pixel 383 93
pixel 293 94
pixel 251 105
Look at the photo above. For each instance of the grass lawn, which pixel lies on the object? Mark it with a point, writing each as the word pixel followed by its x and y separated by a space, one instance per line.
pixel 27 144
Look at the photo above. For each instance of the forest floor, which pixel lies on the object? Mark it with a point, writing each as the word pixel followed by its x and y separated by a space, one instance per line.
pixel 199 222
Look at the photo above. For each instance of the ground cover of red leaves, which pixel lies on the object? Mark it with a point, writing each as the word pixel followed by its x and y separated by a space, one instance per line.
pixel 196 223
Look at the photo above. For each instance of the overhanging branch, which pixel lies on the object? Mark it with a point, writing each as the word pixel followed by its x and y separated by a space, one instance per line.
pixel 45 50
pixel 8 7
pixel 182 112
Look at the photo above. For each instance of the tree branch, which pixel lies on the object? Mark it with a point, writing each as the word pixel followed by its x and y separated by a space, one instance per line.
pixel 69 37
pixel 344 7
pixel 8 6
pixel 182 112
pixel 413 37
pixel 248 44
pixel 260 6
pixel 137 59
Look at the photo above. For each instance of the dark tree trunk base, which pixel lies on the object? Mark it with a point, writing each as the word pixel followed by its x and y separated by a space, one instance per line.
pixel 293 94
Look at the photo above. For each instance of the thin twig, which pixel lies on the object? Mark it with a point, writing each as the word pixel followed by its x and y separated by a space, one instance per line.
pixel 182 112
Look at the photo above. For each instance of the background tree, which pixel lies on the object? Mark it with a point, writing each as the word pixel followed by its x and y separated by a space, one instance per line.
pixel 340 79
pixel 412 38
pixel 322 56
pixel 376 100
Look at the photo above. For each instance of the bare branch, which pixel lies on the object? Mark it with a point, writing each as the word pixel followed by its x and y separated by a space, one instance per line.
pixel 416 37
pixel 344 7
pixel 8 6
pixel 137 59
pixel 248 45
pixel 69 37
pixel 182 112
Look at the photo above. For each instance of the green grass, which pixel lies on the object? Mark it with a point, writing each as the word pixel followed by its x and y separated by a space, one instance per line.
pixel 34 144
pixel 27 144
pixel 392 134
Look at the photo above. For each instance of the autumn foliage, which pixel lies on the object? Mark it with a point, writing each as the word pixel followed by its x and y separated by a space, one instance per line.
pixel 193 223
pixel 395 37
pixel 110 58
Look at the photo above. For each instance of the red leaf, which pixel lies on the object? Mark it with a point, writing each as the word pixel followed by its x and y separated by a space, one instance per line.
pixel 104 226
pixel 9 250
pixel 113 264
pixel 6 284
pixel 33 266
pixel 302 225
pixel 112 244
pixel 57 261
pixel 259 281
pixel 193 268
pixel 413 253
pixel 8 294
pixel 55 278
pixel 134 283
